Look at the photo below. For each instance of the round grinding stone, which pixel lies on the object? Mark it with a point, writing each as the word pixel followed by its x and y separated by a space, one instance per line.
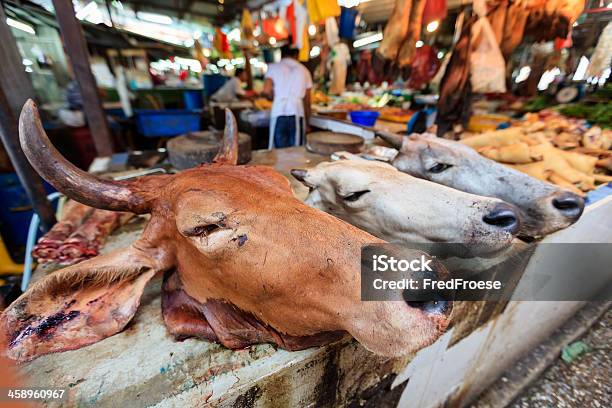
pixel 330 142
pixel 192 149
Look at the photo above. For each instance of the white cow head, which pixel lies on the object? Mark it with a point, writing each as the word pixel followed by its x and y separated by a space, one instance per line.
pixel 400 208
pixel 544 208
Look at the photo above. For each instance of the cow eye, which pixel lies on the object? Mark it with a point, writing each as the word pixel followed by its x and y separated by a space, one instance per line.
pixel 355 196
pixel 202 230
pixel 439 167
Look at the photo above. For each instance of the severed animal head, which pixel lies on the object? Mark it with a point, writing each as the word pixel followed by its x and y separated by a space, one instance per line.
pixel 243 260
pixel 403 209
pixel 544 208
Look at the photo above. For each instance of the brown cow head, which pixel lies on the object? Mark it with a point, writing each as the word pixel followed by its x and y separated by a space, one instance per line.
pixel 244 262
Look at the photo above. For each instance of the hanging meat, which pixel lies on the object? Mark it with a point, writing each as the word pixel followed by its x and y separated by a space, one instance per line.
pixel 514 27
pixel 365 73
pixel 424 67
pixel 455 88
pixel 406 53
pixel 552 19
pixel 497 12
pixel 395 31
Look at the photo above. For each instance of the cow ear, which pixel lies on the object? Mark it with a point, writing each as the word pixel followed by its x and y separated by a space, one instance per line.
pixel 78 305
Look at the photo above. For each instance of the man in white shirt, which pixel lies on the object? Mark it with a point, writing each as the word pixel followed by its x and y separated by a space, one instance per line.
pixel 288 84
pixel 231 90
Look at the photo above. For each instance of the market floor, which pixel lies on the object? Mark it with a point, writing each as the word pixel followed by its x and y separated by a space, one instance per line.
pixel 585 382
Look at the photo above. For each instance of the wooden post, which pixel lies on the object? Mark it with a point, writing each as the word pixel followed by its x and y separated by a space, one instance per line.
pixel 76 48
pixel 247 69
pixel 14 81
pixel 15 88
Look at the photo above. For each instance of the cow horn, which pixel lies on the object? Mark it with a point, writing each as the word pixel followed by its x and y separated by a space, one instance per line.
pixel 66 177
pixel 391 138
pixel 228 152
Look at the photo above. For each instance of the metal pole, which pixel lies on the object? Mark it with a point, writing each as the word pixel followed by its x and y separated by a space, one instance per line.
pixel 76 48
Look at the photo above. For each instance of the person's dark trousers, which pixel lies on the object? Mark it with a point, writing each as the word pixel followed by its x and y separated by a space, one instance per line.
pixel 284 131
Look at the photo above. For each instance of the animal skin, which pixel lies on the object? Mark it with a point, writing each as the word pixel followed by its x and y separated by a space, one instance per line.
pixel 402 209
pixel 245 262
pixel 543 207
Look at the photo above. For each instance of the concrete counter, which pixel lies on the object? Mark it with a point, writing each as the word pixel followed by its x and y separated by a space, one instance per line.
pixel 147 367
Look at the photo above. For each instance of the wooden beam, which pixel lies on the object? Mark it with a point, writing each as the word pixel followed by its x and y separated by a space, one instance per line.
pixel 12 97
pixel 186 8
pixel 76 48
pixel 139 4
pixel 13 80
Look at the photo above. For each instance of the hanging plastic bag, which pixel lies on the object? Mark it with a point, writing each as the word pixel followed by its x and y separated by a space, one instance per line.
pixel 487 64
pixel 331 31
pixel 246 25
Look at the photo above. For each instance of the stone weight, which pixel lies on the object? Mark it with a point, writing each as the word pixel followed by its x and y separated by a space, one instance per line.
pixel 192 149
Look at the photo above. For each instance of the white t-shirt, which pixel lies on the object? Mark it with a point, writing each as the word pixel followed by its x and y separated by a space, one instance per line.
pixel 291 79
pixel 229 91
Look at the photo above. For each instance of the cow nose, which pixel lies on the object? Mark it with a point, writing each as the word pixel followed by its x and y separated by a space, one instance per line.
pixel 440 306
pixel 504 217
pixel 569 204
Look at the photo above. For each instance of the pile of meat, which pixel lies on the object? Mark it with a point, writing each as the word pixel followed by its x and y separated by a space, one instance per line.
pixel 553 148
pixel 79 234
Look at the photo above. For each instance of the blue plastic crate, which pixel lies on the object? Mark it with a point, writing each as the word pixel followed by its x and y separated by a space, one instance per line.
pixel 212 83
pixel 16 209
pixel 194 99
pixel 170 122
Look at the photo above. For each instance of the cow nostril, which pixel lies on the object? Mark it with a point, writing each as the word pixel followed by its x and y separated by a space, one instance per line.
pixel 568 204
pixel 503 216
pixel 432 306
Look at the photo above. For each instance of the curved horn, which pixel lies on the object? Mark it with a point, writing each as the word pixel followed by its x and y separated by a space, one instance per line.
pixel 228 152
pixel 66 177
pixel 391 138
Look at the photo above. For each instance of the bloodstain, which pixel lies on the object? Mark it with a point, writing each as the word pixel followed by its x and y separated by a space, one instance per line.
pixel 45 326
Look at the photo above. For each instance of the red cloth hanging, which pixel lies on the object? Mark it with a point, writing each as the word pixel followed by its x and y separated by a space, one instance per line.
pixel 290 16
pixel 275 27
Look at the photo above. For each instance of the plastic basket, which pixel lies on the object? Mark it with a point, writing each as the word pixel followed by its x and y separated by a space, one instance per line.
pixel 365 118
pixel 171 122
